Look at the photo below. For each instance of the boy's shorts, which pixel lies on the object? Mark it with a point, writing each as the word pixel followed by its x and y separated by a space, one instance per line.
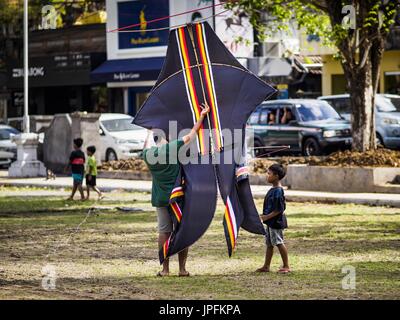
pixel 91 182
pixel 78 178
pixel 273 237
pixel 164 219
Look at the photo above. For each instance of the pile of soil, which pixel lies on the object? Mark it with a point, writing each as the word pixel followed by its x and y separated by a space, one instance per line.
pixel 374 158
pixel 127 165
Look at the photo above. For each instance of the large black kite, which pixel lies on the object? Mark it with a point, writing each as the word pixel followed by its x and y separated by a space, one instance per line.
pixel 199 68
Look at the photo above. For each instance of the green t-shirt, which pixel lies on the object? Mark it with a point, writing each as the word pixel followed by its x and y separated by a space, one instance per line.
pixel 164 174
pixel 91 166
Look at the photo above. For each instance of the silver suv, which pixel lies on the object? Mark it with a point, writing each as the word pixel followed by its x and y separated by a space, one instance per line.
pixel 387 116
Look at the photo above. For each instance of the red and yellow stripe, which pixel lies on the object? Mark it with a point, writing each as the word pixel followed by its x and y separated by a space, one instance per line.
pixel 165 247
pixel 177 211
pixel 230 224
pixel 209 86
pixel 191 87
pixel 176 192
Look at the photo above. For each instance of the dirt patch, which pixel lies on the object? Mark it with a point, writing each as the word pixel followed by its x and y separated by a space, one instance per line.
pixel 128 165
pixel 115 256
pixel 374 158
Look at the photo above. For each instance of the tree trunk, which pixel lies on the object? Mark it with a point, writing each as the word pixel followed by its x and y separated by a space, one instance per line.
pixel 361 98
pixel 378 47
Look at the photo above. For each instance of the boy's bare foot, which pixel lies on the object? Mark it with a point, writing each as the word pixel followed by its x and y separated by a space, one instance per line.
pixel 284 270
pixel 184 274
pixel 70 199
pixel 101 197
pixel 262 269
pixel 162 273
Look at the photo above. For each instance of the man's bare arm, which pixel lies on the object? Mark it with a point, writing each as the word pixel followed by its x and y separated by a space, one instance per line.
pixel 265 217
pixel 189 137
pixel 147 141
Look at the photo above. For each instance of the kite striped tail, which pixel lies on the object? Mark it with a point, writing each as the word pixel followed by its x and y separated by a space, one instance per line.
pixel 230 227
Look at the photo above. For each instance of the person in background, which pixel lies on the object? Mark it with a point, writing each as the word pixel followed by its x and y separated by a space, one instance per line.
pixel 287 116
pixel 271 118
pixel 77 163
pixel 91 173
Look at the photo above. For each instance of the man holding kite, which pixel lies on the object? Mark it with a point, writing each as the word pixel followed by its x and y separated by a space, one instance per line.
pixel 164 174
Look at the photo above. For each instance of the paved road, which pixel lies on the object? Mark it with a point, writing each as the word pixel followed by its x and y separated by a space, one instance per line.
pixel 108 185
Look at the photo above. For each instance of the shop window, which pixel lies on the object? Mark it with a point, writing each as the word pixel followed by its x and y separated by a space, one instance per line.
pixel 392 84
pixel 141 98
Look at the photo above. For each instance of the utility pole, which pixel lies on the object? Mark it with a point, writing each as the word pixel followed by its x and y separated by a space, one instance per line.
pixel 26 124
pixel 27 164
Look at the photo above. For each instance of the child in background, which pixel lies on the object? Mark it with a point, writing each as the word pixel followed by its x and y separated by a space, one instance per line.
pixel 274 218
pixel 91 173
pixel 77 163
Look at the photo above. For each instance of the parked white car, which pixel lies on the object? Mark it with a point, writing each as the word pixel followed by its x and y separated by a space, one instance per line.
pixel 120 139
pixel 8 149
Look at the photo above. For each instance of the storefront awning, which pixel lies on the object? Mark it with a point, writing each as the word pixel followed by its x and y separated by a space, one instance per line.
pixel 128 70
pixel 277 70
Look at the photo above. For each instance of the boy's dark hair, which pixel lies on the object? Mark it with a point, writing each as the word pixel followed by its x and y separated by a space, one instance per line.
pixel 278 169
pixel 78 142
pixel 91 149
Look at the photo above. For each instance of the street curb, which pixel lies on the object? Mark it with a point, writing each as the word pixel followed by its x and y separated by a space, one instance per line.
pixel 336 200
pixel 57 187
pixel 256 195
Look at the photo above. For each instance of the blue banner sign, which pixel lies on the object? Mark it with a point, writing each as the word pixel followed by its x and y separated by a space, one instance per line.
pixel 142 11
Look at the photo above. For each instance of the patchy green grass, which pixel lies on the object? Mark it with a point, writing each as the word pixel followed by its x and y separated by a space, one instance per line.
pixel 114 254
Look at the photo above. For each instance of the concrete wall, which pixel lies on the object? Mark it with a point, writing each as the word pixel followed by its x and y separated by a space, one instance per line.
pixel 311 178
pixel 58 141
pixel 303 177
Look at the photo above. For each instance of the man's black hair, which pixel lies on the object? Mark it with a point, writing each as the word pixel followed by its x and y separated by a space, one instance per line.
pixel 91 149
pixel 78 142
pixel 278 169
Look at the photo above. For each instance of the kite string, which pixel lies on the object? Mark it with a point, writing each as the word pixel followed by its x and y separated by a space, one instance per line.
pixel 166 17
pixel 174 26
pixel 271 152
pixel 78 228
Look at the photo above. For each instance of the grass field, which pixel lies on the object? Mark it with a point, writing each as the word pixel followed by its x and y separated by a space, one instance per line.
pixel 114 254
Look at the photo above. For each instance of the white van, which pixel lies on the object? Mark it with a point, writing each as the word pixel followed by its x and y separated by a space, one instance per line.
pixel 120 139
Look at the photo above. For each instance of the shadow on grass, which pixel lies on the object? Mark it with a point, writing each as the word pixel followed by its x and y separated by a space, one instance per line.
pixel 18 205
